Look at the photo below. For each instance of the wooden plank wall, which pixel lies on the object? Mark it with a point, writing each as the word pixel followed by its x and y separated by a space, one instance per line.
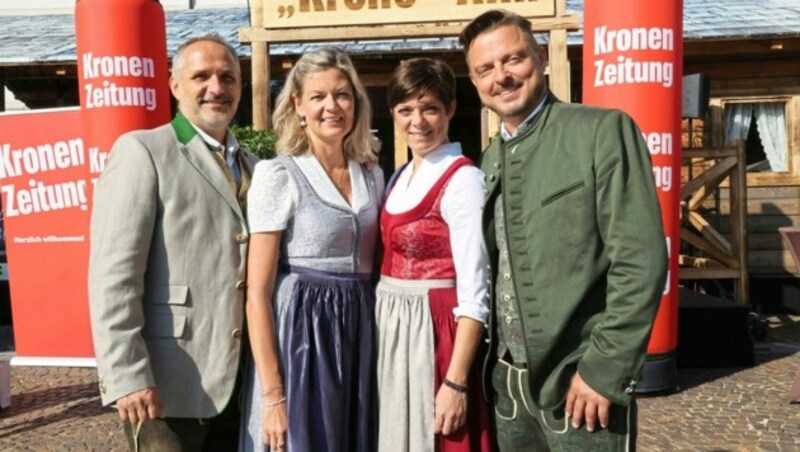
pixel 768 209
pixel 773 200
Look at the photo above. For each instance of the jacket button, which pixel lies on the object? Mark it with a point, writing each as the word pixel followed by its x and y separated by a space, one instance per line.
pixel 240 285
pixel 507 297
pixel 492 177
pixel 237 333
pixel 241 238
pixel 506 276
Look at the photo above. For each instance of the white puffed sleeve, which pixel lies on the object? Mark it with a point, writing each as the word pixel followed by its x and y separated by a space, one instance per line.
pixel 272 197
pixel 461 209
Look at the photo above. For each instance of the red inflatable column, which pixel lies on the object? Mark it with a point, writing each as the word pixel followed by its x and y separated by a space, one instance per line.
pixel 123 75
pixel 122 71
pixel 633 61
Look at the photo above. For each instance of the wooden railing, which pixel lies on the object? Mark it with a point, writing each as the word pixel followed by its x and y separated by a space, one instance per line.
pixel 710 255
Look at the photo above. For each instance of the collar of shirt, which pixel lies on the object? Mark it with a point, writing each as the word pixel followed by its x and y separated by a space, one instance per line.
pixel 506 135
pixel 228 150
pixel 442 155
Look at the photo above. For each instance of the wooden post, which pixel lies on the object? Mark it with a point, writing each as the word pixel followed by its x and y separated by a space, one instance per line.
pixel 490 126
pixel 400 147
pixel 557 58
pixel 260 78
pixel 738 218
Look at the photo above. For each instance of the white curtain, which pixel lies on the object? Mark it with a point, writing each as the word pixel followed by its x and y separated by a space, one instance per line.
pixel 737 121
pixel 771 121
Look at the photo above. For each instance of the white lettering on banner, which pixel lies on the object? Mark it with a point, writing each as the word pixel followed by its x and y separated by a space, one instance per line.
pixel 44 198
pixel 117 66
pixel 97 160
pixel 608 41
pixel 625 69
pixel 111 95
pixel 108 93
pixel 42 158
pixel 658 143
pixel 663 177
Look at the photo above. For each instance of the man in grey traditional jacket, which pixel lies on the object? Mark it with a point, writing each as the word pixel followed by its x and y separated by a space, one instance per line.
pixel 578 256
pixel 167 263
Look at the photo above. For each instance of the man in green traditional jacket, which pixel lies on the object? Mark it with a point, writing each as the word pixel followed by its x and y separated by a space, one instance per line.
pixel 578 255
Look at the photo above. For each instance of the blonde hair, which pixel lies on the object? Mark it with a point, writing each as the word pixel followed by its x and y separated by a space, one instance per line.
pixel 360 144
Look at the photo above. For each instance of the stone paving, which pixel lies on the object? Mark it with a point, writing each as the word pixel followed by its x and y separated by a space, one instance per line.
pixel 714 409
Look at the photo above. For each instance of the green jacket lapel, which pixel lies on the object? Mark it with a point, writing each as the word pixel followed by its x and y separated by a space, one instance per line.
pixel 200 157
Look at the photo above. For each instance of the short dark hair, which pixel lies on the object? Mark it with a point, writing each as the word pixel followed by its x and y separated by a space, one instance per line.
pixel 418 76
pixel 493 19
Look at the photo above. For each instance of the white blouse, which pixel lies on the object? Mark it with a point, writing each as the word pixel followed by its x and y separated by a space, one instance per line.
pixel 273 195
pixel 461 210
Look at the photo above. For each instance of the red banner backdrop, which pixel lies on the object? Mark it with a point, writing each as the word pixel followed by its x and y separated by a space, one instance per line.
pixel 50 161
pixel 633 61
pixel 46 211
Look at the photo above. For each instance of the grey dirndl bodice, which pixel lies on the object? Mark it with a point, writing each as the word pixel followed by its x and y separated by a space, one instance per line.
pixel 328 237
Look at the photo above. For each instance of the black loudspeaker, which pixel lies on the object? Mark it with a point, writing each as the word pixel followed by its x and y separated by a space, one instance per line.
pixel 695 96
pixel 713 332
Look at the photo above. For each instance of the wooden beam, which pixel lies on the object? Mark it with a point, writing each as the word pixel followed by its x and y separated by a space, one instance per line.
pixel 712 177
pixel 558 63
pixel 708 248
pixel 738 191
pixel 490 126
pixel 709 233
pixel 259 74
pixel 418 30
pixel 707 273
pixel 400 147
pixel 708 153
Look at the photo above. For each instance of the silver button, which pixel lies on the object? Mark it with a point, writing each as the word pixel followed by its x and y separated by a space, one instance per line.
pixel 497 165
pixel 505 253
pixel 507 297
pixel 508 319
pixel 492 177
pixel 240 285
pixel 237 333
pixel 506 276
pixel 241 238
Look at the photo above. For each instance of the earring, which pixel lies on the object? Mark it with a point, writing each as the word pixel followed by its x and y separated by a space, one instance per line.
pixel 303 122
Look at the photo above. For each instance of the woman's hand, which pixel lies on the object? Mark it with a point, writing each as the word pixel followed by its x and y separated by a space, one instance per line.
pixel 273 423
pixel 450 410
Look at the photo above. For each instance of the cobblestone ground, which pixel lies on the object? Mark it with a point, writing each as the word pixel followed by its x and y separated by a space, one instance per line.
pixel 715 410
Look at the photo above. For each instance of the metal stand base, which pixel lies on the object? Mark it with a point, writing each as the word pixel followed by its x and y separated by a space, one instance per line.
pixel 660 374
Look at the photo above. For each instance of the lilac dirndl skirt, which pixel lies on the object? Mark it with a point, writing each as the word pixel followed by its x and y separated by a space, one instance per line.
pixel 328 355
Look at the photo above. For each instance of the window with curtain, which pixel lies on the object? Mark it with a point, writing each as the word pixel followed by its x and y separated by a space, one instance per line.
pixel 763 127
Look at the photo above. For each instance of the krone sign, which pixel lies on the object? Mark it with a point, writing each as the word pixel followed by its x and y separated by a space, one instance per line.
pixel 323 13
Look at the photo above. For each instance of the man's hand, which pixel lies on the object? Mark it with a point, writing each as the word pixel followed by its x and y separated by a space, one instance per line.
pixel 583 402
pixel 140 406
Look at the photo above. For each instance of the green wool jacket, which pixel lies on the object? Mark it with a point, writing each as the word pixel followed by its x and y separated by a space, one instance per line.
pixel 586 246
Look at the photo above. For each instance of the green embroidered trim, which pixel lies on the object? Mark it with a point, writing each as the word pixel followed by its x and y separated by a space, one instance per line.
pixel 183 129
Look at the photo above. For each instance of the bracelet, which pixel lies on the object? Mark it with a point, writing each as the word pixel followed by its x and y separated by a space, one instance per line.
pixel 275 403
pixel 269 391
pixel 455 387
